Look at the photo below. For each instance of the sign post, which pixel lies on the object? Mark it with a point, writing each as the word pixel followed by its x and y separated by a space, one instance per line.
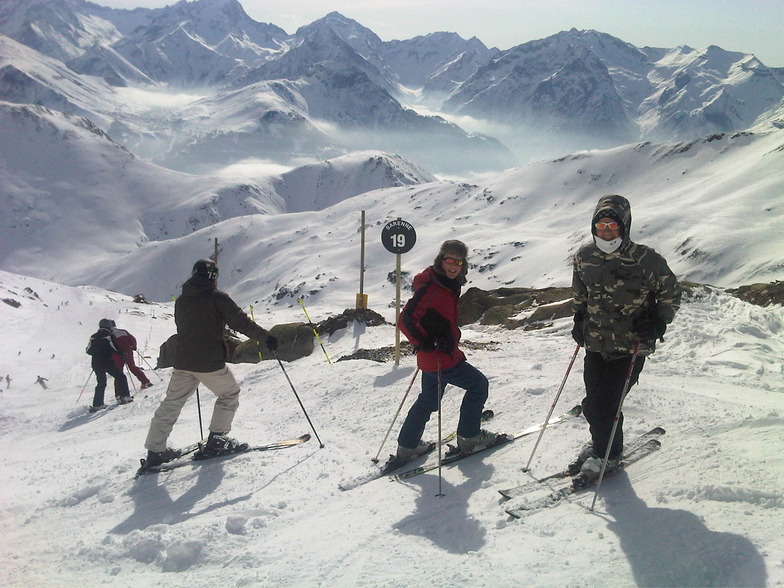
pixel 398 237
pixel 362 299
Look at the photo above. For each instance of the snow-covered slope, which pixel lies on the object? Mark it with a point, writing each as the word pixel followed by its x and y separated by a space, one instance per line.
pixel 29 77
pixel 74 198
pixel 319 186
pixel 62 29
pixel 707 510
pixel 84 210
pixel 706 91
pixel 68 184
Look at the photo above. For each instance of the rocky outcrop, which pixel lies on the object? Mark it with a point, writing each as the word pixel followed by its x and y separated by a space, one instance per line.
pixel 515 308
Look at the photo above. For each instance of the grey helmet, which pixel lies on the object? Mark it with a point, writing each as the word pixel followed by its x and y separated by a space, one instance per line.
pixel 106 324
pixel 207 268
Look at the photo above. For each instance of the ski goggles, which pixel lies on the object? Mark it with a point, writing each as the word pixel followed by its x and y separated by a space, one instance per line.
pixel 612 226
pixel 454 261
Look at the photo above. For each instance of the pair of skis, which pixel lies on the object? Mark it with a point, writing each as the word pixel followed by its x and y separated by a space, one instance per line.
pixel 453 454
pixel 540 493
pixel 393 464
pixel 192 455
pixel 551 490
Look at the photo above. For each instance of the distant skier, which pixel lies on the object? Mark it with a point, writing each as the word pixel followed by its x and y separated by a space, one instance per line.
pixel 103 347
pixel 127 344
pixel 7 381
pixel 624 294
pixel 429 321
pixel 201 314
pixel 42 382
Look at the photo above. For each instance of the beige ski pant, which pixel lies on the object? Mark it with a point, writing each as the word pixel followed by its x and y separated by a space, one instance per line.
pixel 181 386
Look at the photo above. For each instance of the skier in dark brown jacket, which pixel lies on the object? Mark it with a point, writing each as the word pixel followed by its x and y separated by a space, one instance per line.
pixel 201 314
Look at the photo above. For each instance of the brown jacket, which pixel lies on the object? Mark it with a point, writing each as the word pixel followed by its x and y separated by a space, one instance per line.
pixel 201 313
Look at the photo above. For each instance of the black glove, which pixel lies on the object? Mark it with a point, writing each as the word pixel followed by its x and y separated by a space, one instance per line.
pixel 271 343
pixel 649 327
pixel 435 324
pixel 444 345
pixel 577 330
pixel 428 344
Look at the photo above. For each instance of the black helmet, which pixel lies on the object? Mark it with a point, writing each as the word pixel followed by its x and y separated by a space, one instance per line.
pixel 206 268
pixel 106 324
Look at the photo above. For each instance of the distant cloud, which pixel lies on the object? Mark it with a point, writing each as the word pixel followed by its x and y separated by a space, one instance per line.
pixel 157 97
pixel 253 167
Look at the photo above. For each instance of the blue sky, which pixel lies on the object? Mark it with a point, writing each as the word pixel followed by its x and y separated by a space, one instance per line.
pixel 749 26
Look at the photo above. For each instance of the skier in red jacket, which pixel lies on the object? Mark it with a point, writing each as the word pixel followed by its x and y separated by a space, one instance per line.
pixel 127 344
pixel 429 321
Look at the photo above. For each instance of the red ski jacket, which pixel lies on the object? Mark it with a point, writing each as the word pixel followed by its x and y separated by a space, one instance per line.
pixel 432 291
pixel 126 341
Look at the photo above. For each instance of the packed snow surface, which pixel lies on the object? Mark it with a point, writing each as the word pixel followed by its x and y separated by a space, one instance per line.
pixel 706 510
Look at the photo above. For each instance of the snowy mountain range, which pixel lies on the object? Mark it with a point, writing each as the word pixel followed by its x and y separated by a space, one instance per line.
pixel 334 86
pixel 80 152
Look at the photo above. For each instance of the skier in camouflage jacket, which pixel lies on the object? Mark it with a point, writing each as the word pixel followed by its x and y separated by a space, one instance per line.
pixel 624 295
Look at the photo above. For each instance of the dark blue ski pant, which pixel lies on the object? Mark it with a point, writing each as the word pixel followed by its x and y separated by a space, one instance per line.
pixel 464 376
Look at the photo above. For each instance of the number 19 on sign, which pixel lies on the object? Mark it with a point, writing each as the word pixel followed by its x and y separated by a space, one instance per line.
pixel 398 236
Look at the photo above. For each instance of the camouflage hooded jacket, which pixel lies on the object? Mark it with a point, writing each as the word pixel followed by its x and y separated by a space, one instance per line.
pixel 612 290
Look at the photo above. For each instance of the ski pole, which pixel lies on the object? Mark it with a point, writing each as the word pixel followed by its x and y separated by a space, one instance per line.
pixel 552 407
pixel 198 408
pixel 615 421
pixel 440 442
pixel 399 408
pixel 85 386
pixel 131 380
pixel 280 363
pixel 147 363
pixel 315 332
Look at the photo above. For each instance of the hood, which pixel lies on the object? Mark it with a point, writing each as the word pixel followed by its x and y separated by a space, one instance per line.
pixel 431 275
pixel 197 285
pixel 428 275
pixel 620 208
